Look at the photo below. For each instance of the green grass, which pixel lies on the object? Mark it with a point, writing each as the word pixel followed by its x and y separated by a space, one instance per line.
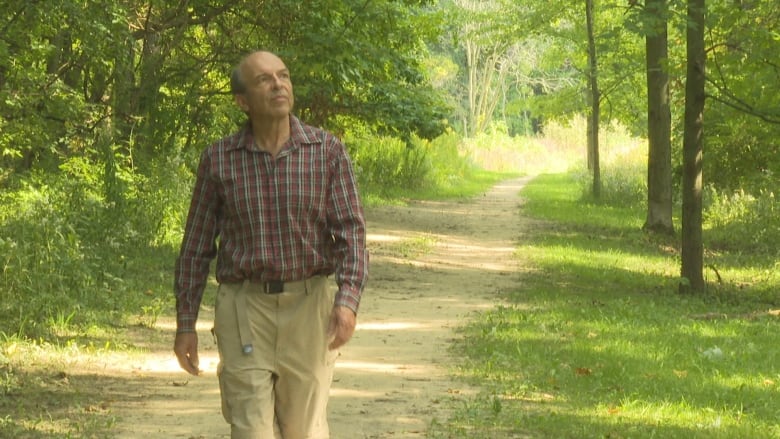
pixel 477 182
pixel 596 343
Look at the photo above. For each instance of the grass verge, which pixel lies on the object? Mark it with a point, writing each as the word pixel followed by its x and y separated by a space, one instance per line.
pixel 596 343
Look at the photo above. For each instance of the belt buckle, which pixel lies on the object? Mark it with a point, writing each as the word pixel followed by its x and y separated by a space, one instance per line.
pixel 274 287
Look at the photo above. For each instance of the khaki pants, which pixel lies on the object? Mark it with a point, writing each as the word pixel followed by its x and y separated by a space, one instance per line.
pixel 280 388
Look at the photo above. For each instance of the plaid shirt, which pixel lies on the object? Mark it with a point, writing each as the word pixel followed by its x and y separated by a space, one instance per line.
pixel 285 219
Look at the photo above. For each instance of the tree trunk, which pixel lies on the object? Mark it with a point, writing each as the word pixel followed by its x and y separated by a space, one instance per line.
pixel 471 65
pixel 659 122
pixel 692 247
pixel 595 96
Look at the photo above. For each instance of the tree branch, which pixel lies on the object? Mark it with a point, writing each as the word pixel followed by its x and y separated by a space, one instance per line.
pixel 743 107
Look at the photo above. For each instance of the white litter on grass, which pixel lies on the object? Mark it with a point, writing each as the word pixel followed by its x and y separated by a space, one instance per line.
pixel 713 353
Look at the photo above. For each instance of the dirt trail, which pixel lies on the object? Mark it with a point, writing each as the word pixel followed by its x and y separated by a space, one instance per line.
pixel 392 378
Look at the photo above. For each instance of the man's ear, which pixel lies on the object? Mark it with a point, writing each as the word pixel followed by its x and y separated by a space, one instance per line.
pixel 241 102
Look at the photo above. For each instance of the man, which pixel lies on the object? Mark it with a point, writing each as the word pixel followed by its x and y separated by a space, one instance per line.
pixel 279 197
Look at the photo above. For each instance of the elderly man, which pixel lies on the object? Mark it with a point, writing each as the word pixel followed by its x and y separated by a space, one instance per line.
pixel 277 204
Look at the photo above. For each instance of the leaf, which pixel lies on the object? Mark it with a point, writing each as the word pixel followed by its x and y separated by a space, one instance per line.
pixel 583 371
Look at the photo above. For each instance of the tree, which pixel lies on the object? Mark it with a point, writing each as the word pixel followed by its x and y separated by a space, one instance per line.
pixel 126 83
pixel 594 98
pixel 659 120
pixel 743 129
pixel 487 59
pixel 692 246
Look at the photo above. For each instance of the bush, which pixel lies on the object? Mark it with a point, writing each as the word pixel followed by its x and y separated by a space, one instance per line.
pixel 623 170
pixel 733 221
pixel 72 253
pixel 47 265
pixel 621 184
pixel 447 165
pixel 385 163
pixel 743 221
pixel 388 165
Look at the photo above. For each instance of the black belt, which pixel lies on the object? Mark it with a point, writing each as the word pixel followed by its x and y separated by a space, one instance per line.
pixel 273 287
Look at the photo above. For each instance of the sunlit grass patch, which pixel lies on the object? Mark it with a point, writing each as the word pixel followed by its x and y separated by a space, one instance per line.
pixel 595 341
pixel 407 248
pixel 642 365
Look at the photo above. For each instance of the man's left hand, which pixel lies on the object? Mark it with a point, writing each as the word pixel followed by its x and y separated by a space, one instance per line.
pixel 341 326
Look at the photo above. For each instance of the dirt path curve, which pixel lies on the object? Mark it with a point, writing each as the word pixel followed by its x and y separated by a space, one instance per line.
pixel 392 378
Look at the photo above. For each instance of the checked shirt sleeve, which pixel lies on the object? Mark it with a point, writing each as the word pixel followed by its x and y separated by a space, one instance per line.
pixel 348 228
pixel 198 247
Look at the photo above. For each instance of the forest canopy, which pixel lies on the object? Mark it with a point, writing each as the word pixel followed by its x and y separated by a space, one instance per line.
pixel 121 82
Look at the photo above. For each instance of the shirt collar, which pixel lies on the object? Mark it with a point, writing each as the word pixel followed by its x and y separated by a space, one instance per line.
pixel 300 134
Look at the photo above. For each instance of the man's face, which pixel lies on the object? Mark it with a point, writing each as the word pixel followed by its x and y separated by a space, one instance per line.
pixel 269 91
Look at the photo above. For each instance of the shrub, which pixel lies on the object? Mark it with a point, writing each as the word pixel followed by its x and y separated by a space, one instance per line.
pixel 387 165
pixel 46 264
pixel 72 253
pixel 446 164
pixel 380 162
pixel 623 169
pixel 743 221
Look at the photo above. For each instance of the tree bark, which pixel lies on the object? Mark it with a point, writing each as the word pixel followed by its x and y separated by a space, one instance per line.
pixel 659 122
pixel 595 96
pixel 692 246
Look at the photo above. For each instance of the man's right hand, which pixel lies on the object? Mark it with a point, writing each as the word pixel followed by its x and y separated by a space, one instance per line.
pixel 186 348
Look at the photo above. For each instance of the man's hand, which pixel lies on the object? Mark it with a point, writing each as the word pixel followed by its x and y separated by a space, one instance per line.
pixel 186 348
pixel 341 326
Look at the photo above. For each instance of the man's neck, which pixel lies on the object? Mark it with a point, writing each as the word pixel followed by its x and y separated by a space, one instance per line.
pixel 271 134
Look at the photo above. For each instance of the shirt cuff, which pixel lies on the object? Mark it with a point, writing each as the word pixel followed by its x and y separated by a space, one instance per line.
pixel 185 322
pixel 348 298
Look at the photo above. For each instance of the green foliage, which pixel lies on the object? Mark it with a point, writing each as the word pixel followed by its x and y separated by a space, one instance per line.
pixel 623 167
pixel 71 249
pixel 623 160
pixel 379 162
pixel 741 222
pixel 45 268
pixel 742 153
pixel 743 121
pixel 594 342
pixel 372 71
pixel 449 167
pixel 387 165
pixel 738 221
pixel 153 80
pixel 621 185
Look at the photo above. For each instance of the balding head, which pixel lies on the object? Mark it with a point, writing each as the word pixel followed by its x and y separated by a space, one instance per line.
pixel 237 81
pixel 262 87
